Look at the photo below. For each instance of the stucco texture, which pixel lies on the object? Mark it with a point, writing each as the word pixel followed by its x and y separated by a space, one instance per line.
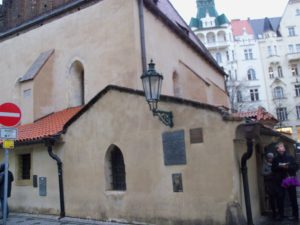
pixel 124 120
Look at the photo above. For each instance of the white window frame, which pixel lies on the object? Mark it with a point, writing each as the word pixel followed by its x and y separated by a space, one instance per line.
pixel 254 95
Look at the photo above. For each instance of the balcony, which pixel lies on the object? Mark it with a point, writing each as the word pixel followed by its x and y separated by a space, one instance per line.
pixel 216 45
pixel 273 59
pixel 293 56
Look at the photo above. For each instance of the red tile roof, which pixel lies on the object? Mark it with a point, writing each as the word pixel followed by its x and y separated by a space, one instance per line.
pixel 47 126
pixel 239 26
pixel 259 115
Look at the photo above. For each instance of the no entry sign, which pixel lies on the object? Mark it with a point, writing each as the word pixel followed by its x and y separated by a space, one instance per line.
pixel 10 114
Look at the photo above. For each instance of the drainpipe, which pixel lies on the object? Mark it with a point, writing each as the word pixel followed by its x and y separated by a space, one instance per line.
pixel 142 35
pixel 246 156
pixel 49 143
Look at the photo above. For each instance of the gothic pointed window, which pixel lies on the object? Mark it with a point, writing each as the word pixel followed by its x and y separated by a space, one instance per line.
pixel 115 169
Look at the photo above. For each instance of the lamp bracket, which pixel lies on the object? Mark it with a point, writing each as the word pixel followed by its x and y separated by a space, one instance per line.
pixel 165 117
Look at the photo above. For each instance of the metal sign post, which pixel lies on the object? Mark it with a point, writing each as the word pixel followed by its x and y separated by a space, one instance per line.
pixel 4 210
pixel 7 144
pixel 10 115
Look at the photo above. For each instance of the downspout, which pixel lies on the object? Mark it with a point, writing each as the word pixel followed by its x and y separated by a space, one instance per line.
pixel 49 143
pixel 246 156
pixel 142 35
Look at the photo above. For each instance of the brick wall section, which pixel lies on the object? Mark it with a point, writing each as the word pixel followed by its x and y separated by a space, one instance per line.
pixel 17 12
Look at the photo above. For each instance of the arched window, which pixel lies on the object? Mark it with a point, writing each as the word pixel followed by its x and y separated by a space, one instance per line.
pixel 279 70
pixel 176 86
pixel 271 72
pixel 115 169
pixel 251 74
pixel 278 92
pixel 76 84
pixel 211 38
pixel 221 36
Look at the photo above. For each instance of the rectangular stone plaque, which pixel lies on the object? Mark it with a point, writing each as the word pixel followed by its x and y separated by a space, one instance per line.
pixel 42 186
pixel 174 148
pixel 177 182
pixel 196 135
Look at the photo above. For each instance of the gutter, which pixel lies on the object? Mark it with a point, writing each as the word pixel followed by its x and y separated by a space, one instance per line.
pixel 246 156
pixel 142 35
pixel 49 144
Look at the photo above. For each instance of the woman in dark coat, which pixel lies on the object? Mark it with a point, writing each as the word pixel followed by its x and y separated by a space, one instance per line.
pixel 10 180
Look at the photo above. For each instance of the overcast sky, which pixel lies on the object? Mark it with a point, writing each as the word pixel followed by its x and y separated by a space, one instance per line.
pixel 235 9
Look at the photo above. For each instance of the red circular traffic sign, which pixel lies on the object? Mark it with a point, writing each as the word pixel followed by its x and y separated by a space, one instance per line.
pixel 10 114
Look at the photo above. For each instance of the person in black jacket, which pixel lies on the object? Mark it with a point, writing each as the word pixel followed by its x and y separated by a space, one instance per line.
pixel 10 180
pixel 269 181
pixel 284 165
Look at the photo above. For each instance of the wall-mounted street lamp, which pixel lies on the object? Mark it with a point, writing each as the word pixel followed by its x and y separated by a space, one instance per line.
pixel 152 86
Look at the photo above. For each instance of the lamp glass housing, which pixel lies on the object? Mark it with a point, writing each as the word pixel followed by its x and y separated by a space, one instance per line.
pixel 152 82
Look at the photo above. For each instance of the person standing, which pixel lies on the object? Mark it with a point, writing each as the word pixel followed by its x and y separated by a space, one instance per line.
pixel 283 166
pixel 269 181
pixel 10 180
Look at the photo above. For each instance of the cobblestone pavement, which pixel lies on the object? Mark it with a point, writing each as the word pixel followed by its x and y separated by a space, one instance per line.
pixel 28 219
pixel 31 219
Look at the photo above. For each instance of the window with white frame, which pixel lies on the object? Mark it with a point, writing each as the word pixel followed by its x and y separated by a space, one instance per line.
pixel 298 111
pixel 248 54
pixel 281 113
pixel 297 12
pixel 254 96
pixel 297 90
pixel 291 48
pixel 297 47
pixel 219 57
pixel 239 96
pixel 251 74
pixel 270 52
pixel 278 92
pixel 271 72
pixel 279 71
pixel 291 31
pixel 275 49
pixel 294 70
pixel 227 56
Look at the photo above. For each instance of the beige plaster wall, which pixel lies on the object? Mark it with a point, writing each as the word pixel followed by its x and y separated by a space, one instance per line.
pixel 43 86
pixel 170 53
pixel 125 120
pixel 98 36
pixel 24 197
pixel 105 39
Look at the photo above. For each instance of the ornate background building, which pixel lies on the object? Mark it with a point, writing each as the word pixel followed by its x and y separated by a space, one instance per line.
pixel 261 58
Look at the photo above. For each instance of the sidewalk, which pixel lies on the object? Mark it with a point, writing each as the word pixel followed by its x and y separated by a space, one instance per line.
pixel 32 219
